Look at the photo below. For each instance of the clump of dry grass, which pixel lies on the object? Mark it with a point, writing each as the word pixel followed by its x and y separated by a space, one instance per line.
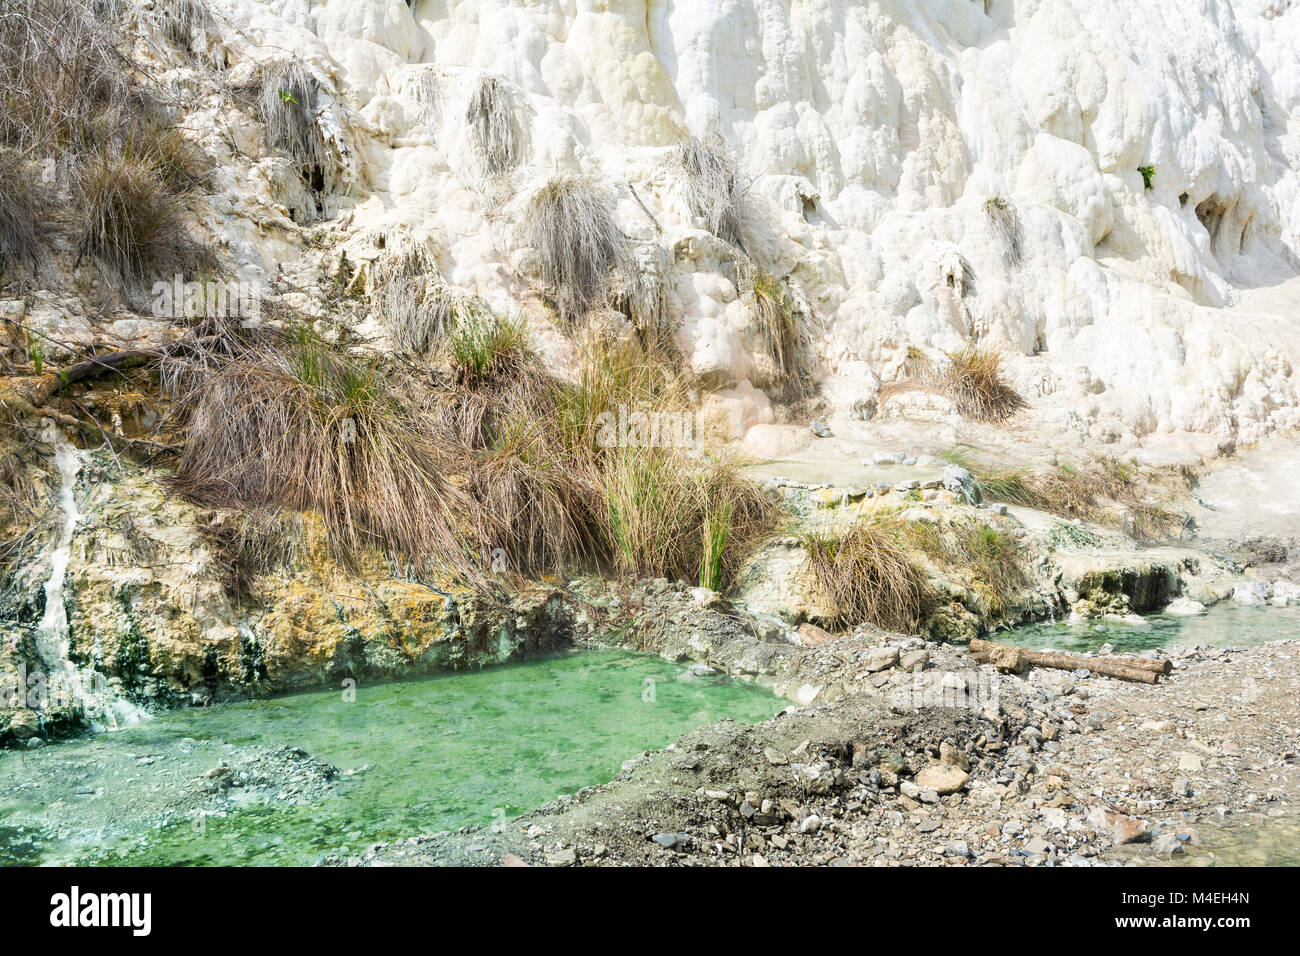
pixel 712 187
pixel 21 216
pixel 417 306
pixel 293 422
pixel 541 508
pixel 612 374
pixel 486 348
pixel 1006 226
pixel 130 222
pixel 867 575
pixel 286 103
pixel 482 456
pixel 780 334
pixel 986 555
pixel 571 229
pixel 490 114
pixel 425 87
pixel 61 69
pixel 1090 491
pixel 70 94
pixel 188 24
pixel 972 378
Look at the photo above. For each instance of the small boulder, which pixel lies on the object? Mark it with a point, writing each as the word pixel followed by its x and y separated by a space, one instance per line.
pixel 811 635
pixel 942 778
pixel 881 658
pixel 1251 593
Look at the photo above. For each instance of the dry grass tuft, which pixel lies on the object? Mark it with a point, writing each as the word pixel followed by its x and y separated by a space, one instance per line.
pixel 485 348
pixel 62 70
pixel 986 555
pixel 712 187
pixel 21 216
pixel 570 227
pixel 1006 226
pixel 491 118
pixel 417 306
pixel 483 463
pixel 676 518
pixel 867 575
pixel 188 24
pixel 286 104
pixel 71 95
pixel 1105 491
pixel 132 224
pixel 972 378
pixel 249 544
pixel 780 333
pixel 293 422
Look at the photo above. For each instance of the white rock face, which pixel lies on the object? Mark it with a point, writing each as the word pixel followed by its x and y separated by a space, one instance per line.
pixel 873 134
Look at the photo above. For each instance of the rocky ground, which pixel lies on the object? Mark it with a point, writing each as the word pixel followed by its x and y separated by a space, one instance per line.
pixel 948 763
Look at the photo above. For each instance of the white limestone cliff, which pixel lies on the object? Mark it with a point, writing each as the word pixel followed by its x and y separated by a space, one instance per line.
pixel 873 134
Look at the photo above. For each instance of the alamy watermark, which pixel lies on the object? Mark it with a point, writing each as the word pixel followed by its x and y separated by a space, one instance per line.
pixel 207 299
pixel 634 428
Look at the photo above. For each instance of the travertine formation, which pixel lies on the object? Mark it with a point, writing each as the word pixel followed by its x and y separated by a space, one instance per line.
pixel 1102 190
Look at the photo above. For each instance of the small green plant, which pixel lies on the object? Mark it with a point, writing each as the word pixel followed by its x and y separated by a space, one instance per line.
pixel 715 528
pixel 484 346
pixel 287 97
pixel 36 350
pixel 1148 174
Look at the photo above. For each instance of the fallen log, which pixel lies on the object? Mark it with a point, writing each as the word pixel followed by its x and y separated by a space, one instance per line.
pixel 1012 658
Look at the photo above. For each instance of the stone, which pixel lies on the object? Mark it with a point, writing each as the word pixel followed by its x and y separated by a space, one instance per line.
pixel 1285 594
pixel 672 841
pixel 1185 607
pixel 810 824
pixel 1120 828
pixel 706 597
pixel 1251 593
pixel 1189 762
pixel 909 789
pixel 916 660
pixel 954 756
pixel 820 429
pixel 962 482
pixel 1036 845
pixel 942 778
pixel 1167 845
pixel 881 658
pixel 810 635
pixel 566 857
pixel 1160 726
pixel 1008 659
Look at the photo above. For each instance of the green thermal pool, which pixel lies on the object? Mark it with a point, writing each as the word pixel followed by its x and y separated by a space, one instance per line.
pixel 418 756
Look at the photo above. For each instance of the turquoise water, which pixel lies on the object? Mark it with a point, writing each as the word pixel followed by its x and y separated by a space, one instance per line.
pixel 1226 625
pixel 426 755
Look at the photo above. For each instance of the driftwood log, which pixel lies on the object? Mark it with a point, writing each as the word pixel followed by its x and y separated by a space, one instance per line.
pixel 1009 657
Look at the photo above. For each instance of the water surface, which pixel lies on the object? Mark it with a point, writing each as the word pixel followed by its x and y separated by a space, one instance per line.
pixel 425 755
pixel 1226 625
